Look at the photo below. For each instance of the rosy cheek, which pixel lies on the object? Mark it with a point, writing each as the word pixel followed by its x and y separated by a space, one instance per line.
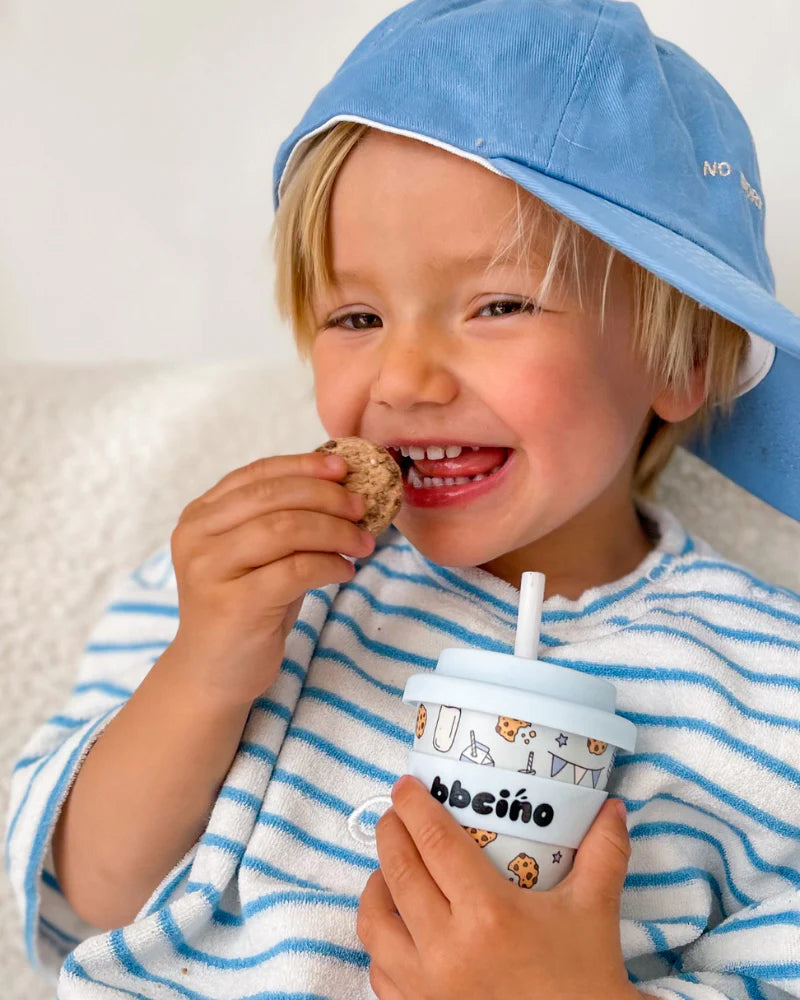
pixel 340 401
pixel 331 413
pixel 544 393
pixel 326 403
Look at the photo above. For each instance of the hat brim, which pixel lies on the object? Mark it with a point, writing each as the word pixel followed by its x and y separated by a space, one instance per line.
pixel 758 446
pixel 679 261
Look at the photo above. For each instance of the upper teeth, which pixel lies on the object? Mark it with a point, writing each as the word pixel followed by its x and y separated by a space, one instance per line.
pixel 434 451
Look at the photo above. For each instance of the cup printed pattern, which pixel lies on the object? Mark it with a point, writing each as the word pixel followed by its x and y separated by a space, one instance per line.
pixel 516 745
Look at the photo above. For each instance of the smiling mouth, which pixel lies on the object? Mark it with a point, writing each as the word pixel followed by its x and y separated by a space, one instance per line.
pixel 433 473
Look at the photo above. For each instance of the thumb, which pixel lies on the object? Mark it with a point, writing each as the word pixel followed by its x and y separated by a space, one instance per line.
pixel 601 862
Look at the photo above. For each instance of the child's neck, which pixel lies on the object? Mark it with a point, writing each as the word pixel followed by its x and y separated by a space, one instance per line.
pixel 601 544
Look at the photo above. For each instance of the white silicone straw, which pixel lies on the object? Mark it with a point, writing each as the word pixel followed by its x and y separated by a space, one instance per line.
pixel 529 616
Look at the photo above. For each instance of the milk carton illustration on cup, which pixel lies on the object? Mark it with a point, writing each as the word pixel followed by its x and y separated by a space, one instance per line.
pixel 446 726
pixel 518 750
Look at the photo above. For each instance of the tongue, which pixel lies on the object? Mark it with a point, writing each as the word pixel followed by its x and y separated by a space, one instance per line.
pixel 468 463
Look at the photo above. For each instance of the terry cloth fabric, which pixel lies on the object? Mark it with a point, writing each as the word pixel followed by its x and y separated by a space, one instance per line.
pixel 705 658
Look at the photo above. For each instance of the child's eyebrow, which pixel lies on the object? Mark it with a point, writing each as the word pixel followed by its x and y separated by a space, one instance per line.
pixel 454 262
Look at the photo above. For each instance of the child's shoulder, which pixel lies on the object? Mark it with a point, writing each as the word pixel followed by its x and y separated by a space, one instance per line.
pixel 701 571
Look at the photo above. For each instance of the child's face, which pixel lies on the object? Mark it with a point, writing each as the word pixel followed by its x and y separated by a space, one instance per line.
pixel 431 361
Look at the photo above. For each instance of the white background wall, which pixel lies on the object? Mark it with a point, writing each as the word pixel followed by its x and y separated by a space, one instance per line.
pixel 138 140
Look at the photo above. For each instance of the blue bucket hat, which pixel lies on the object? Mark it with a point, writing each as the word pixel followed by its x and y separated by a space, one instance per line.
pixel 623 132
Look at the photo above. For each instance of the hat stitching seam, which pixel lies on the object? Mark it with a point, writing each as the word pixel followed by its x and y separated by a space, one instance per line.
pixel 575 84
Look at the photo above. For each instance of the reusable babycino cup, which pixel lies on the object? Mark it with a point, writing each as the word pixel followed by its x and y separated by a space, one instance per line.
pixel 518 750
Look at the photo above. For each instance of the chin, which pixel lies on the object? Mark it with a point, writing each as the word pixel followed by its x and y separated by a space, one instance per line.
pixel 448 548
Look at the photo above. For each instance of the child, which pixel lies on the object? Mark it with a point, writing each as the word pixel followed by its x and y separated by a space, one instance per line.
pixel 526 237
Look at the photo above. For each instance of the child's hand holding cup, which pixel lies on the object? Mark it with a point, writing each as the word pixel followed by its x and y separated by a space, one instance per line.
pixel 518 750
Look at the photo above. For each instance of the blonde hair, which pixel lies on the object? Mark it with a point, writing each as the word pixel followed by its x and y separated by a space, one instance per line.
pixel 672 332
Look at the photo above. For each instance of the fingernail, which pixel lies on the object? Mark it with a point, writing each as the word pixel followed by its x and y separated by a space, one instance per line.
pixel 404 779
pixel 335 462
pixel 621 810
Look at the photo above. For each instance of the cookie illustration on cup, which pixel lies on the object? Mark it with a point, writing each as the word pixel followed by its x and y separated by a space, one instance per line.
pixel 596 746
pixel 422 719
pixel 374 474
pixel 481 837
pixel 526 869
pixel 508 728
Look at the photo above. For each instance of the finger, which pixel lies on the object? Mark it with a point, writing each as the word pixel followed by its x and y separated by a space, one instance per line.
pixel 460 871
pixel 307 464
pixel 418 899
pixel 382 932
pixel 268 539
pixel 286 582
pixel 601 864
pixel 262 496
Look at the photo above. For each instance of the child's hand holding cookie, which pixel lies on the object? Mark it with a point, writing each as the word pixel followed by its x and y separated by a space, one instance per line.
pixel 246 552
pixel 441 923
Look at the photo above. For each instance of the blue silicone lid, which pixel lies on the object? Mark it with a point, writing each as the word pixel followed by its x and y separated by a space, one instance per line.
pixel 529 675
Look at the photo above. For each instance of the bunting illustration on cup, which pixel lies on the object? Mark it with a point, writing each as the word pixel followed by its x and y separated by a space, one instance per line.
pixel 518 750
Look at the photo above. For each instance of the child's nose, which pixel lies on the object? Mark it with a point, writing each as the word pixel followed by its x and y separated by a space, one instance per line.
pixel 412 369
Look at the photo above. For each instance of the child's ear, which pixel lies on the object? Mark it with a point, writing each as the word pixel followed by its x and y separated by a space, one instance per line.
pixel 674 404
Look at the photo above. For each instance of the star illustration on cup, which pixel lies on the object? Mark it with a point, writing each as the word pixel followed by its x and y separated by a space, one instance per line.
pixel 557 858
pixel 561 739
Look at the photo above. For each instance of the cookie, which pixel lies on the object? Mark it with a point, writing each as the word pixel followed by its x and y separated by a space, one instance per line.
pixel 596 746
pixel 374 474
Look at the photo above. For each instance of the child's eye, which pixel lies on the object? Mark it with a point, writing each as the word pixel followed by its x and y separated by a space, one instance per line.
pixel 339 320
pixel 524 305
